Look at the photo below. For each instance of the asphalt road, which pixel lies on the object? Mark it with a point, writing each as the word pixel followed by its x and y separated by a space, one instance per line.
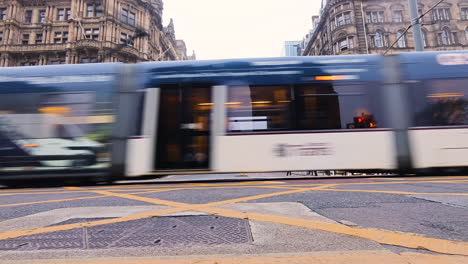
pixel 365 220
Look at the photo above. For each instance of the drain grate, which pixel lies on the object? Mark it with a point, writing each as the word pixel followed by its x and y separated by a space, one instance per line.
pixel 151 232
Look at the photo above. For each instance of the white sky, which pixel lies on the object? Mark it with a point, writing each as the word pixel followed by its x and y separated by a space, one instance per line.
pixel 222 29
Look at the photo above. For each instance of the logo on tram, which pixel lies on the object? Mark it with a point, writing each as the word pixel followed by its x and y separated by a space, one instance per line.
pixel 310 149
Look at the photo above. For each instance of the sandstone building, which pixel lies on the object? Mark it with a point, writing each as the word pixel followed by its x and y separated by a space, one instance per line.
pixel 372 26
pixel 41 32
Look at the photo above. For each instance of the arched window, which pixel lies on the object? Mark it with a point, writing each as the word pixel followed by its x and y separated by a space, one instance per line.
pixel 401 39
pixel 445 37
pixel 424 36
pixel 379 39
pixel 466 35
pixel 345 44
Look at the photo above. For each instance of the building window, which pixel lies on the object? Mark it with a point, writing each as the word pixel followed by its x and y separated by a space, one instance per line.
pixel 464 13
pixel 38 38
pixel 375 17
pixel 378 40
pixel 28 63
pixel 28 16
pixel 61 37
pixel 128 17
pixel 57 62
pixel 42 16
pixel 131 18
pixel 398 16
pixel 94 10
pixel 60 14
pixel 441 14
pixel 446 37
pixel 424 37
pixel 466 34
pixel 63 14
pixel 345 44
pixel 3 13
pixel 88 60
pixel 340 20
pixel 92 33
pixel 401 39
pixel 124 17
pixel 126 39
pixel 25 40
pixel 343 19
pixel 1 37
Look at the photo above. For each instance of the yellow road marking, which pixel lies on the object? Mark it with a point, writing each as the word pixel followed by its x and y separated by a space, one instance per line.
pixel 83 198
pixel 26 232
pixel 319 257
pixel 124 188
pixel 437 178
pixel 379 183
pixel 381 236
pixel 53 201
pixel 179 208
pixel 255 197
pixel 146 199
pixel 71 190
pixel 395 192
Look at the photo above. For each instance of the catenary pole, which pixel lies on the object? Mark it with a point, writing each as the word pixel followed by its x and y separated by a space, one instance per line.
pixel 416 23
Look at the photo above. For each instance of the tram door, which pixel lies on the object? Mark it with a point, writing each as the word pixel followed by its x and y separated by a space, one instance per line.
pixel 184 126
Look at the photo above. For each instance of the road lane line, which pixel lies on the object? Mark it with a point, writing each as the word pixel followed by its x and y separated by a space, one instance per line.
pixel 53 201
pixel 27 232
pixel 194 206
pixel 379 183
pixel 394 192
pixel 261 196
pixel 84 198
pixel 179 207
pixel 145 199
pixel 381 236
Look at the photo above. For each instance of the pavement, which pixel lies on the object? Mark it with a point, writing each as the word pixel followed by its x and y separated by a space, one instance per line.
pixel 298 219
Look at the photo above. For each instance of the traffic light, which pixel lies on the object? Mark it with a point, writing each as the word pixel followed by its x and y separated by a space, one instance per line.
pixel 363 121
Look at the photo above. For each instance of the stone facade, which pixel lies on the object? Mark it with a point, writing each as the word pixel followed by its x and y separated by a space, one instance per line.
pixel 41 32
pixel 372 26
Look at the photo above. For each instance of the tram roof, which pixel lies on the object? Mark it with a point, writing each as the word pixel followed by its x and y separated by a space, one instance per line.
pixel 435 64
pixel 228 64
pixel 262 71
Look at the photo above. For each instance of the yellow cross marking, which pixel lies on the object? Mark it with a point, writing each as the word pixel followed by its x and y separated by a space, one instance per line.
pixel 381 236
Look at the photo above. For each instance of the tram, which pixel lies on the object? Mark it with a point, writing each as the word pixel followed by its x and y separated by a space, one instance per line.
pixel 403 113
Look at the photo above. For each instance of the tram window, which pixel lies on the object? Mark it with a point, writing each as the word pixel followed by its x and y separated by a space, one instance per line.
pixel 258 108
pixel 328 106
pixel 440 102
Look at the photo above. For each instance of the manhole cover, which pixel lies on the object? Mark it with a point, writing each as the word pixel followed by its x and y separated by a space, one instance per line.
pixel 151 232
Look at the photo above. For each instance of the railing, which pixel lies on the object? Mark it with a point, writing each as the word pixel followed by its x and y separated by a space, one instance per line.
pixel 33 47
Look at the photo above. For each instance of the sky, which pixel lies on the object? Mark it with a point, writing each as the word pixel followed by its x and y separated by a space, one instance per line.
pixel 223 29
